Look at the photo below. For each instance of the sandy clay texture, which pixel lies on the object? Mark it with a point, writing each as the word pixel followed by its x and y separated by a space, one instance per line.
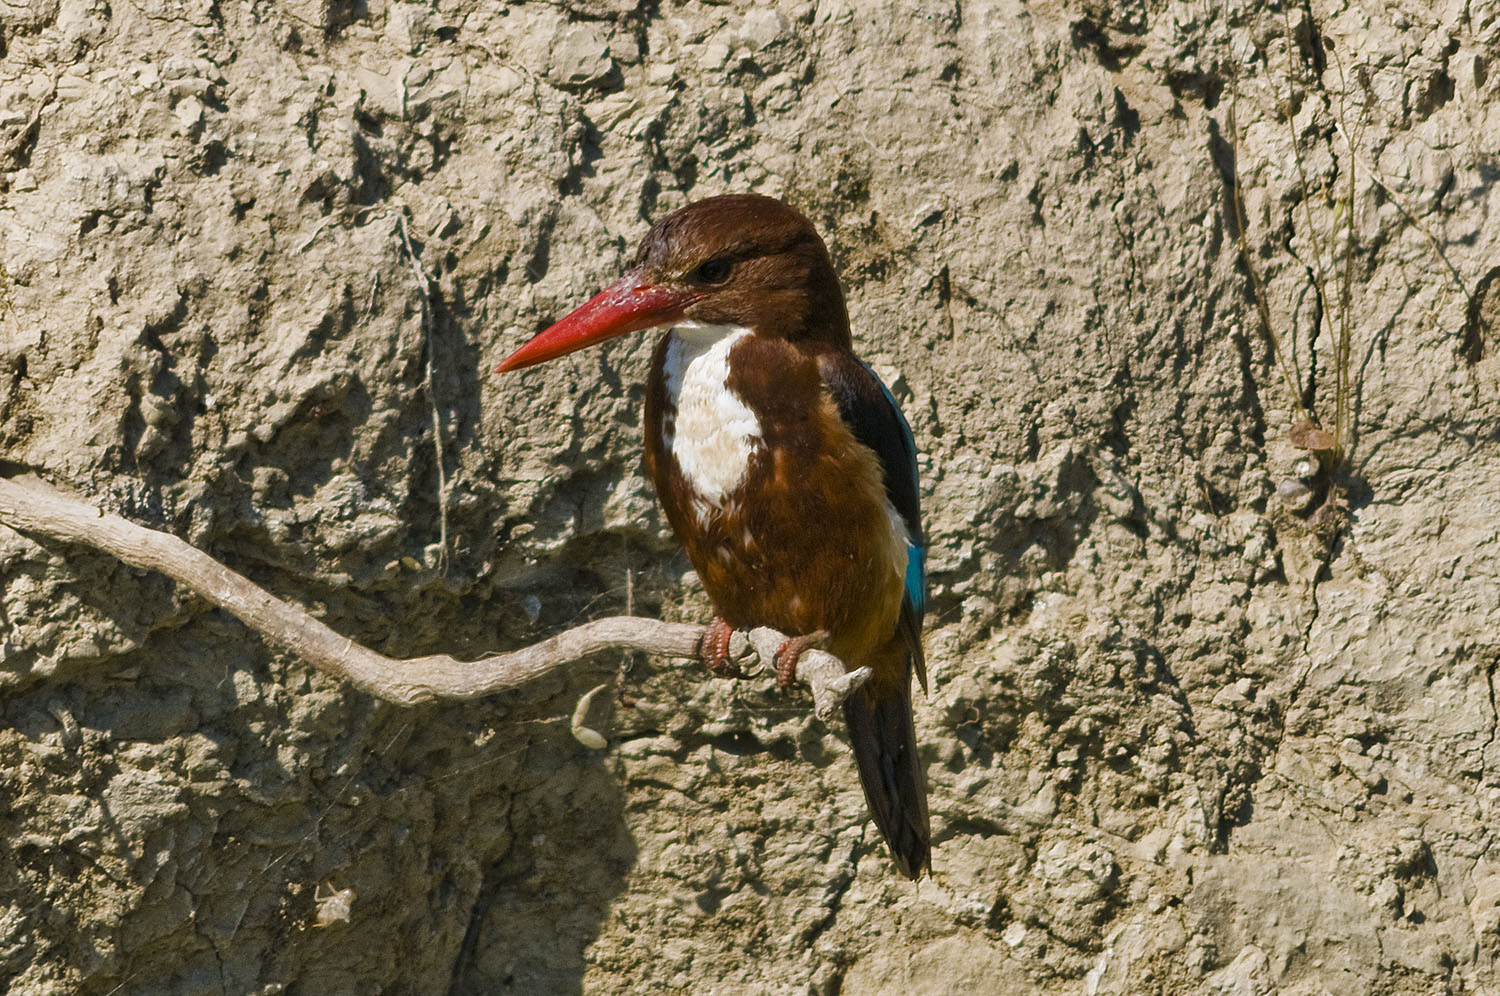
pixel 1212 635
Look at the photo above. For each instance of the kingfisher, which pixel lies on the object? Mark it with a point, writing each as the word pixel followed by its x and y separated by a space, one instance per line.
pixel 783 464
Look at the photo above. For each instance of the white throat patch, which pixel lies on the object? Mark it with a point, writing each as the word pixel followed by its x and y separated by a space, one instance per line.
pixel 708 429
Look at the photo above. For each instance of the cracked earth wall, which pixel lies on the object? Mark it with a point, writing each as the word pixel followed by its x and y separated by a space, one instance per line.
pixel 1196 724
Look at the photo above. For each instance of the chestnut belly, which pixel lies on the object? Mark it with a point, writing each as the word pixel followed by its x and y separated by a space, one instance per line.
pixel 803 560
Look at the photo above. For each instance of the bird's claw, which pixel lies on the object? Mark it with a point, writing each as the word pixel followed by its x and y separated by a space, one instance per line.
pixel 790 652
pixel 713 649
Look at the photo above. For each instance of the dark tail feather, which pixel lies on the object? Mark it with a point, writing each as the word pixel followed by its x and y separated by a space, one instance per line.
pixel 885 745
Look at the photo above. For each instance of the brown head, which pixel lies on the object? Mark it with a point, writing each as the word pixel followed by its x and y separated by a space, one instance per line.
pixel 739 259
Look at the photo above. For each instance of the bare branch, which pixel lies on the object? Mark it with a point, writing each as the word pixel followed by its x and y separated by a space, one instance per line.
pixel 31 506
pixel 819 670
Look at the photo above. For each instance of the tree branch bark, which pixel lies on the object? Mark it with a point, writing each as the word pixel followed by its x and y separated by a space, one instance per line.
pixel 31 506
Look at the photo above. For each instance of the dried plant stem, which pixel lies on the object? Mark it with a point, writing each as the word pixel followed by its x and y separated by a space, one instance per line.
pixel 16 147
pixel 31 506
pixel 1319 273
pixel 1395 198
pixel 424 295
pixel 1283 363
pixel 1344 337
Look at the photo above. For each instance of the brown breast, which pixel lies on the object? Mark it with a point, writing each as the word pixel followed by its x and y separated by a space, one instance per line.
pixel 805 541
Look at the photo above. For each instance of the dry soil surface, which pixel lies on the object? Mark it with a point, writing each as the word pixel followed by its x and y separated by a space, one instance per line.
pixel 1212 704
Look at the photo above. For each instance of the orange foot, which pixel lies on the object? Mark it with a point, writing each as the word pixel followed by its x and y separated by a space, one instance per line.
pixel 790 652
pixel 713 649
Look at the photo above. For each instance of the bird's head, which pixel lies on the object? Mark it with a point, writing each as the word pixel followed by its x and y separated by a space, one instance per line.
pixel 739 259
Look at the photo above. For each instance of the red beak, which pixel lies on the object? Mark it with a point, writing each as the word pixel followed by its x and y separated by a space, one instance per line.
pixel 627 305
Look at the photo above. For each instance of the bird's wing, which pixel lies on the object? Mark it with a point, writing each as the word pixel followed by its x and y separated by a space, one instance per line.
pixel 871 413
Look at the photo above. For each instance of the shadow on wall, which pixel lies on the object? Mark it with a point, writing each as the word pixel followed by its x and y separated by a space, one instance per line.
pixel 543 905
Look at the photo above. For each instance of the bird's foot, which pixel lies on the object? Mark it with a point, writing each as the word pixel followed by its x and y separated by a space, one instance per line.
pixel 713 649
pixel 790 652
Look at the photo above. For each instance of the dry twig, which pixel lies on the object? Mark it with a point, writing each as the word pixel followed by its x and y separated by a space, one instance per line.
pixel 31 506
pixel 16 147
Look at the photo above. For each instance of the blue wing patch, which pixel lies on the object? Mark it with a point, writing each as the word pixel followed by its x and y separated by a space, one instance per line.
pixel 916 579
pixel 916 554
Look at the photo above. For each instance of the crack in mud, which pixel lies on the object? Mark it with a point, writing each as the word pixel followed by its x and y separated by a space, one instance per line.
pixel 1484 751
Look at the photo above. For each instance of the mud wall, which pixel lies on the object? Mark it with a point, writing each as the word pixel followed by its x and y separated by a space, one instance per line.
pixel 1210 712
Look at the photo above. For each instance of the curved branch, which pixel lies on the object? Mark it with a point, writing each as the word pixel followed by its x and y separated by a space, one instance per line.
pixel 31 506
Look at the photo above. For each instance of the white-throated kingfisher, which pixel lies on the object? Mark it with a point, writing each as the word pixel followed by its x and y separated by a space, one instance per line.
pixel 783 464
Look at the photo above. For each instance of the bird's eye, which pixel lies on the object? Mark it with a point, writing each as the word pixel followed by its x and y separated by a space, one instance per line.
pixel 714 271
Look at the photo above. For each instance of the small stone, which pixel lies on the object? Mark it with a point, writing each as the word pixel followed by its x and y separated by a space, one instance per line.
pixel 715 54
pixel 624 48
pixel 762 28
pixel 1293 492
pixel 1484 908
pixel 579 57
pixel 410 26
pixel 189 113
pixel 1389 896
